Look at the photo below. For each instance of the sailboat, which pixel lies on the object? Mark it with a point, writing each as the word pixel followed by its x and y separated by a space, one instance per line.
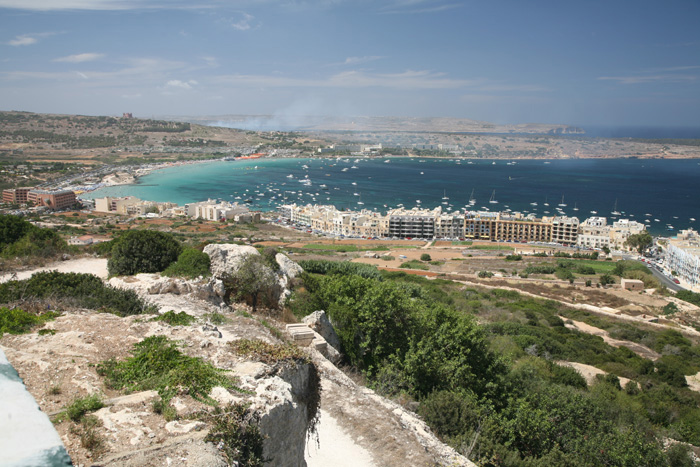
pixel 472 200
pixel 615 212
pixel 545 201
pixel 562 204
pixel 493 198
pixel 444 197
pixel 575 207
pixel 360 201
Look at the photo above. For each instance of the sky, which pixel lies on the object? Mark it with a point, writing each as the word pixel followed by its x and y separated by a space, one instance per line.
pixel 593 62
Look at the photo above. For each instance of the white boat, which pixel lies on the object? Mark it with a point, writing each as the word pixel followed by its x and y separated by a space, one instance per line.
pixel 304 166
pixel 594 212
pixel 615 212
pixel 345 169
pixel 444 195
pixel 290 176
pixel 562 204
pixel 354 183
pixel 493 198
pixel 575 207
pixel 533 204
pixel 387 161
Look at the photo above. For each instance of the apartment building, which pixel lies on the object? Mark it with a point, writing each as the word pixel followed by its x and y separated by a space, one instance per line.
pixel 506 227
pixel 565 230
pixel 594 232
pixel 683 257
pixel 621 230
pixel 15 195
pixel 215 210
pixel 61 199
pixel 414 223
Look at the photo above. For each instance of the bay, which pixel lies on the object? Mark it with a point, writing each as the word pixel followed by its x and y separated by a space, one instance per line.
pixel 661 193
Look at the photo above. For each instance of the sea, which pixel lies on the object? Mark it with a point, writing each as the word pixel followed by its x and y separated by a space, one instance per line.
pixel 661 193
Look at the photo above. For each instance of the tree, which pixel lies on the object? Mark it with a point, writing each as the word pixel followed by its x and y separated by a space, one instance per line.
pixel 639 242
pixel 425 257
pixel 606 279
pixel 143 251
pixel 253 281
pixel 606 250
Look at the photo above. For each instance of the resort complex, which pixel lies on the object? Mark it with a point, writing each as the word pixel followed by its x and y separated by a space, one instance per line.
pixel 418 223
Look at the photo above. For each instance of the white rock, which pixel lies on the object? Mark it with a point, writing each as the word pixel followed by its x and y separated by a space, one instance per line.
pixel 288 267
pixel 227 258
pixel 178 427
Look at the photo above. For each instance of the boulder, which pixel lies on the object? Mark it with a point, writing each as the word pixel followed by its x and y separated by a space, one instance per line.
pixel 288 267
pixel 319 322
pixel 227 258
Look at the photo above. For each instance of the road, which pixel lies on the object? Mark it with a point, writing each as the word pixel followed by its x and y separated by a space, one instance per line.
pixel 658 274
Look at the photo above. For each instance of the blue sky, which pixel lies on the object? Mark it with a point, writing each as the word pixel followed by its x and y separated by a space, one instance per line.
pixel 592 62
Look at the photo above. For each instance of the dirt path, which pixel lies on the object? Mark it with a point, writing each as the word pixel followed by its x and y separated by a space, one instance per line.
pixel 642 351
pixel 96 266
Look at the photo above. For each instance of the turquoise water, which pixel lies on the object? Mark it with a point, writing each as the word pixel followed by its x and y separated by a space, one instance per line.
pixel 667 190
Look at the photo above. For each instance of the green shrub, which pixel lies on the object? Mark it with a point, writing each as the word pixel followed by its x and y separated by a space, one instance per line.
pixel 21 238
pixel 191 263
pixel 16 321
pixel 425 257
pixel 413 264
pixel 74 289
pixel 82 405
pixel 485 274
pixel 340 267
pixel 175 319
pixel 158 364
pixel 235 429
pixel 140 251
pixel 514 258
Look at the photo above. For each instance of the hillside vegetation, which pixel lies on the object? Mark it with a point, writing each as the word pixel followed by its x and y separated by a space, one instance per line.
pixel 481 368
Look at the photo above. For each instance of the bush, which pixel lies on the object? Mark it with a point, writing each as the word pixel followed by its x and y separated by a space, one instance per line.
pixel 191 263
pixel 21 238
pixel 140 251
pixel 253 282
pixel 16 321
pixel 340 267
pixel 485 274
pixel 175 319
pixel 425 257
pixel 79 407
pixel 74 289
pixel 158 364
pixel 514 258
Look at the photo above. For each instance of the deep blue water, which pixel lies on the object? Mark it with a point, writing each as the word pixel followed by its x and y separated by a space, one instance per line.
pixel 668 190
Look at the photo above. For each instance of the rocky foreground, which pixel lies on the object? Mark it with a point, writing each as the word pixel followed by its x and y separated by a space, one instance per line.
pixel 58 367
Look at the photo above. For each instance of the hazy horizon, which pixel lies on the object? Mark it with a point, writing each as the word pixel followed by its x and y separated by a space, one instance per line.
pixel 505 62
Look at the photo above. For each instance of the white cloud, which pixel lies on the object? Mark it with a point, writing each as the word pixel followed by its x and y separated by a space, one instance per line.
pixel 23 40
pixel 28 39
pixel 79 58
pixel 641 79
pixel 177 84
pixel 245 23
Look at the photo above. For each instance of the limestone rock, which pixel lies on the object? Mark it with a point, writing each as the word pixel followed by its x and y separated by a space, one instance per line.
pixel 319 322
pixel 288 267
pixel 227 258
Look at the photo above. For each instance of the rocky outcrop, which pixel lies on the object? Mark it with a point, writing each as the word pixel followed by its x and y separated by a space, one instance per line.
pixel 282 402
pixel 318 322
pixel 227 258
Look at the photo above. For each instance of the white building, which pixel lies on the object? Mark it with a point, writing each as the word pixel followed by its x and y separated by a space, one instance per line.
pixel 683 257
pixel 594 232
